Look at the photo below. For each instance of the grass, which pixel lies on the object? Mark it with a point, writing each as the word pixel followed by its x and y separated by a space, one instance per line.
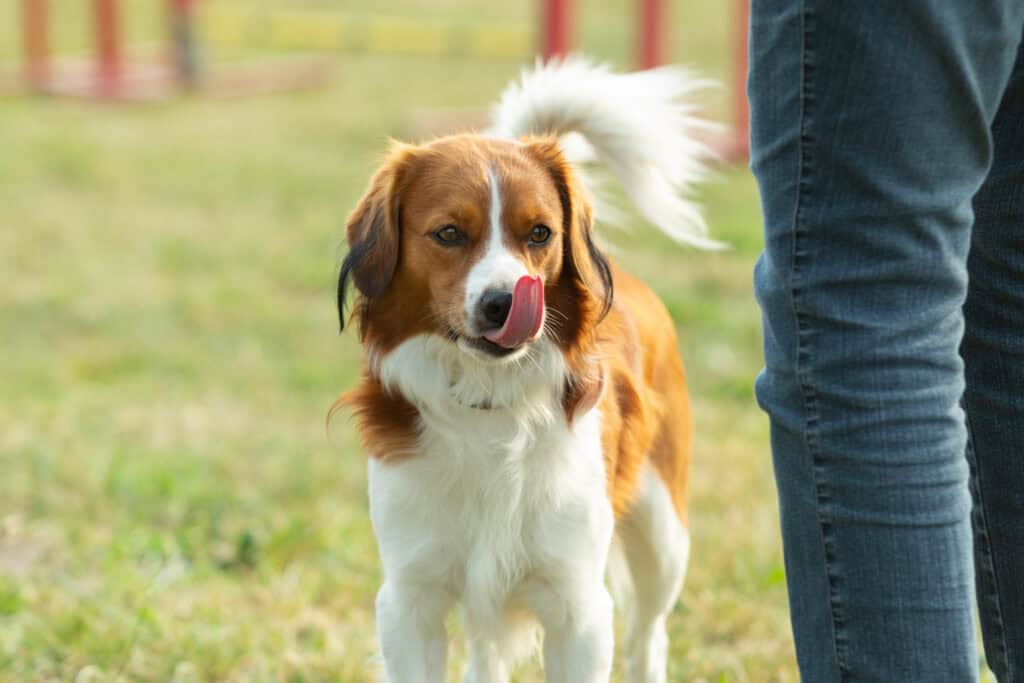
pixel 172 507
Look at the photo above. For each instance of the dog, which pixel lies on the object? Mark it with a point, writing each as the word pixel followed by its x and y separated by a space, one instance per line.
pixel 523 403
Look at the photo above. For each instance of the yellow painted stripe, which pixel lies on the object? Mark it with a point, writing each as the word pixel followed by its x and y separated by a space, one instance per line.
pixel 306 30
pixel 406 36
pixel 224 26
pixel 499 42
pixel 233 25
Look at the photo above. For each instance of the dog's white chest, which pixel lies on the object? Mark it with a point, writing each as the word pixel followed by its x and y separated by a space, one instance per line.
pixel 490 509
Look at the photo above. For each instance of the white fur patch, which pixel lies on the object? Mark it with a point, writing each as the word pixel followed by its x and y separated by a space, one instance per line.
pixel 450 387
pixel 648 575
pixel 498 268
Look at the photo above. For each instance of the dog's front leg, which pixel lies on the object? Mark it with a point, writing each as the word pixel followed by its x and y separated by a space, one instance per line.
pixel 485 664
pixel 578 637
pixel 411 632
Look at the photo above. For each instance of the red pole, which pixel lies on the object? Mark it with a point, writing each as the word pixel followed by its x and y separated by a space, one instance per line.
pixel 652 26
pixel 37 65
pixel 108 52
pixel 554 29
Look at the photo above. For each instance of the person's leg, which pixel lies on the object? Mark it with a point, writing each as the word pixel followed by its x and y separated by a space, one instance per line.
pixel 870 135
pixel 993 351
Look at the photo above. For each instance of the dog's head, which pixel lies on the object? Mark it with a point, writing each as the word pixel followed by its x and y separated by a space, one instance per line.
pixel 484 242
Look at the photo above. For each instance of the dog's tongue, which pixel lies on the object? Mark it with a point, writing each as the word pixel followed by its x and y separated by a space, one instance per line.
pixel 524 317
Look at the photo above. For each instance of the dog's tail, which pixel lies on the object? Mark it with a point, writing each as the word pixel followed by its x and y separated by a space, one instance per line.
pixel 639 125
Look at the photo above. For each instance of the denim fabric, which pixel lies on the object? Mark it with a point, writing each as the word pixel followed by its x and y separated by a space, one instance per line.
pixel 993 352
pixel 882 165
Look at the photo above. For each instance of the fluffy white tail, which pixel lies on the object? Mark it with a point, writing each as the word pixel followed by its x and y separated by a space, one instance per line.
pixel 638 125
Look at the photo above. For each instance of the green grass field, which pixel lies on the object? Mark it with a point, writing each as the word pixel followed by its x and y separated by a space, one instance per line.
pixel 172 506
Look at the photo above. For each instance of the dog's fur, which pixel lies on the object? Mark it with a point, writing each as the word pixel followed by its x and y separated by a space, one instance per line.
pixel 501 479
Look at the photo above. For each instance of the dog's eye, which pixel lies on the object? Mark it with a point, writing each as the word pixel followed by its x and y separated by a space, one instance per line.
pixel 540 234
pixel 449 236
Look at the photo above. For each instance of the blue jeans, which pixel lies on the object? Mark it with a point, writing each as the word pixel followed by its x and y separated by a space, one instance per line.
pixel 888 142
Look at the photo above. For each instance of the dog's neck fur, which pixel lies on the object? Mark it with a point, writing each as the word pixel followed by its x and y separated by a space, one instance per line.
pixel 448 387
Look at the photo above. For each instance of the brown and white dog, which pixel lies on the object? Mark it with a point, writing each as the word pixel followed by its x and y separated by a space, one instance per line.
pixel 523 402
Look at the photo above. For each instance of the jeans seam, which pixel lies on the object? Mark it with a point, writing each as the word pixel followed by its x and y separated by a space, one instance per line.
pixel 822 494
pixel 986 554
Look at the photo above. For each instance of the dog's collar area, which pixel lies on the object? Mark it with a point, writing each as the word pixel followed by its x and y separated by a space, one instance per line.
pixel 486 405
pixel 482 405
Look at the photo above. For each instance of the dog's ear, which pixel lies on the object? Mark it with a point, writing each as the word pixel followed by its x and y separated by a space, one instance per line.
pixel 373 230
pixel 581 259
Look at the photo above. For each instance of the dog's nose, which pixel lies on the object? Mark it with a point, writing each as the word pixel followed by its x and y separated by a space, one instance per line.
pixel 494 307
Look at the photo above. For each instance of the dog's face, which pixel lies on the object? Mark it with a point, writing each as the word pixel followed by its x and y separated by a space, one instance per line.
pixel 484 242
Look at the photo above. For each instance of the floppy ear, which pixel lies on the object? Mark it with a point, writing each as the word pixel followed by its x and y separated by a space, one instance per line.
pixel 373 231
pixel 581 259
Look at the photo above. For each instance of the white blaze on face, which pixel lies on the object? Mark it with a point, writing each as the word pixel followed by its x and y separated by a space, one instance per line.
pixel 498 268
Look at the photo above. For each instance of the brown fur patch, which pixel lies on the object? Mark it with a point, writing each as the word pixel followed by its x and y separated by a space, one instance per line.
pixel 388 424
pixel 650 407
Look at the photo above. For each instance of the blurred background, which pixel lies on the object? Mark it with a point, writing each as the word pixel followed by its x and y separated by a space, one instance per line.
pixel 173 506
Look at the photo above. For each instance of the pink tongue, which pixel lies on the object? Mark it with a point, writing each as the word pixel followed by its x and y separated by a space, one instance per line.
pixel 526 315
